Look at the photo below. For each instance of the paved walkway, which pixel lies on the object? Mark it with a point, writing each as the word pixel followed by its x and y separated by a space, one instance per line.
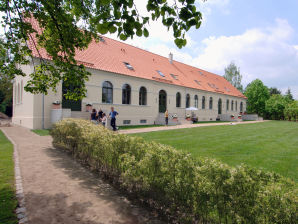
pixel 141 130
pixel 59 190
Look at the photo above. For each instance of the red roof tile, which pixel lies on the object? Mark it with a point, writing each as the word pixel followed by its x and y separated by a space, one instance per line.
pixel 110 55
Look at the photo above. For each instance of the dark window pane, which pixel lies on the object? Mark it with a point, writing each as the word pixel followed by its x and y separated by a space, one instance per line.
pixel 107 92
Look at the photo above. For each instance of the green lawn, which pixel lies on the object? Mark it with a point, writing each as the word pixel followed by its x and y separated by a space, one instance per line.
pixel 272 145
pixel 41 132
pixel 138 126
pixel 8 200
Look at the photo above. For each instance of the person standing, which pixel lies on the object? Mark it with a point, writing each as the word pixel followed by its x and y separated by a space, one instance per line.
pixel 93 116
pixel 113 115
pixel 99 115
pixel 167 117
pixel 100 112
pixel 104 119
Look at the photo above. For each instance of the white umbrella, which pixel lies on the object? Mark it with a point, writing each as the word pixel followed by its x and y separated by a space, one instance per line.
pixel 191 108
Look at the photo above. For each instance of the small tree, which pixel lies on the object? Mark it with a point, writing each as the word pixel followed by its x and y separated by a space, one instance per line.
pixel 69 26
pixel 5 85
pixel 274 90
pixel 232 74
pixel 289 95
pixel 291 111
pixel 257 94
pixel 275 107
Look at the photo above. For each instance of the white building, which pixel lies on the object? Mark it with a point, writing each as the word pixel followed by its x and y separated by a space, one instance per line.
pixel 140 85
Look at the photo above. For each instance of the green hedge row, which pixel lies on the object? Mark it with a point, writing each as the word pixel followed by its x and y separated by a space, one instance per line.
pixel 191 190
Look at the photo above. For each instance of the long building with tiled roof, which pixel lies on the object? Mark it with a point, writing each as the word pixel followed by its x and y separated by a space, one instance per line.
pixel 140 85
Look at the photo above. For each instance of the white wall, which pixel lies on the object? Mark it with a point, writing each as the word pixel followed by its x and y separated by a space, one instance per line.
pixel 29 112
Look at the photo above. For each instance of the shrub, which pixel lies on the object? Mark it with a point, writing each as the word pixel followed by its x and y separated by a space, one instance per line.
pixel 190 190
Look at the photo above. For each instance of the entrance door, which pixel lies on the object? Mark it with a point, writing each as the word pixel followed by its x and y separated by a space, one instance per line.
pixel 219 106
pixel 74 105
pixel 162 101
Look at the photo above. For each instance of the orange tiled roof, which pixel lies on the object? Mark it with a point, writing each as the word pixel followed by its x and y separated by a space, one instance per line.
pixel 109 55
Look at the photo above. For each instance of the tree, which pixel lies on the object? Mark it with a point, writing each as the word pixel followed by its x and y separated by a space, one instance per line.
pixel 5 94
pixel 291 111
pixel 289 95
pixel 274 90
pixel 61 35
pixel 5 84
pixel 257 94
pixel 232 74
pixel 275 106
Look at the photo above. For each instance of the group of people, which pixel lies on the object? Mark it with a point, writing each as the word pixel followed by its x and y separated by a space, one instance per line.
pixel 99 117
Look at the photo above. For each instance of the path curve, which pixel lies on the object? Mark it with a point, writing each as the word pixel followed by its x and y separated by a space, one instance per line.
pixel 57 189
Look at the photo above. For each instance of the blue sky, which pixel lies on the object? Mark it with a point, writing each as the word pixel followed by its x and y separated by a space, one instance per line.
pixel 261 37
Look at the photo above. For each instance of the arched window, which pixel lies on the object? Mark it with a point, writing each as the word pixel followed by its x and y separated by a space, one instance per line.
pixel 196 101
pixel 187 102
pixel 107 92
pixel 241 107
pixel 203 102
pixel 236 105
pixel 228 104
pixel 143 96
pixel 126 93
pixel 232 105
pixel 178 99
pixel 210 103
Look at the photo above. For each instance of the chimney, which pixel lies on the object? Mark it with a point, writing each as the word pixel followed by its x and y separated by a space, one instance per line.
pixel 171 58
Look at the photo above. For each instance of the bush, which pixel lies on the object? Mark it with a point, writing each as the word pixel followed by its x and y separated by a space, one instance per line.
pixel 186 189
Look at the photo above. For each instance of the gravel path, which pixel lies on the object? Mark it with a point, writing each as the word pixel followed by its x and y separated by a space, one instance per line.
pixel 141 130
pixel 57 189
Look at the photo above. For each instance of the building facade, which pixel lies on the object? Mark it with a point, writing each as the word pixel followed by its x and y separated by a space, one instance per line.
pixel 140 86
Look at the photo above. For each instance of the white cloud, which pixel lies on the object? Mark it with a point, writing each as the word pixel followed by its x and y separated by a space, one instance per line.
pixel 209 6
pixel 260 53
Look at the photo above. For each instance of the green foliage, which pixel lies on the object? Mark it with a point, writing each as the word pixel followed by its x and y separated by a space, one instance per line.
pixel 5 84
pixel 61 35
pixel 257 94
pixel 291 111
pixel 274 90
pixel 289 95
pixel 191 190
pixel 275 106
pixel 232 74
pixel 8 201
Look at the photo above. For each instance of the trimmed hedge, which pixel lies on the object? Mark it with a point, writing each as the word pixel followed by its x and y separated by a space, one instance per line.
pixel 185 189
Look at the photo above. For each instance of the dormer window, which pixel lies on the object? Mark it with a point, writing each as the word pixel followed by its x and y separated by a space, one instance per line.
pixel 128 65
pixel 201 73
pixel 174 76
pixel 198 82
pixel 160 73
pixel 212 85
pixel 101 39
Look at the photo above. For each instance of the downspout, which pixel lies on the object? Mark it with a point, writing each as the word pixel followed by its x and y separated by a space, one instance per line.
pixel 42 111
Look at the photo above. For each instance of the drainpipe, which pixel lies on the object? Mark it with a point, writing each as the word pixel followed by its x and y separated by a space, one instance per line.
pixel 42 111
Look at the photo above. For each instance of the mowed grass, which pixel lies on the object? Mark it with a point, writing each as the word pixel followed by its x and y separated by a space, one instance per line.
pixel 8 200
pixel 41 132
pixel 272 146
pixel 138 126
